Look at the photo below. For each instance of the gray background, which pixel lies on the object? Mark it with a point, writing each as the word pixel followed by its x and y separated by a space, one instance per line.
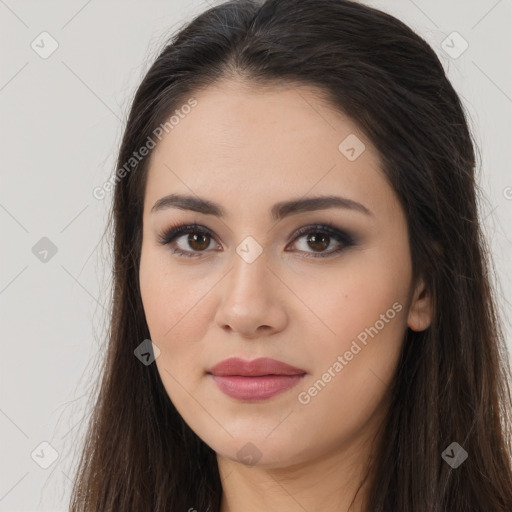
pixel 61 123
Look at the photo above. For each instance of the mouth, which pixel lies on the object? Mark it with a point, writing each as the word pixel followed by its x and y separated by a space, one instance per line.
pixel 255 380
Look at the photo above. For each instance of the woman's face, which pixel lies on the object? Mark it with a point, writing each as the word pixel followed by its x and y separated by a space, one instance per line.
pixel 332 304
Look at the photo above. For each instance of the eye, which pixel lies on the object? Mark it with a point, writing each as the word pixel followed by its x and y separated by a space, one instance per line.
pixel 318 237
pixel 198 239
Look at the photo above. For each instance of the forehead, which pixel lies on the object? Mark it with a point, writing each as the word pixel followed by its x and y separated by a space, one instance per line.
pixel 265 145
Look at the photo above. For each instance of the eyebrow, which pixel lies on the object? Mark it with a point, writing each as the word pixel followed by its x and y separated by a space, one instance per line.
pixel 278 211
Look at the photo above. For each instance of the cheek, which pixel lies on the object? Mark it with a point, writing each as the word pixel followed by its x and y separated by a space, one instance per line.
pixel 168 295
pixel 175 307
pixel 172 308
pixel 348 300
pixel 354 366
pixel 363 342
pixel 362 308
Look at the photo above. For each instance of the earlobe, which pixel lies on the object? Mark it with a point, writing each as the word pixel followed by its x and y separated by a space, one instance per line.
pixel 420 310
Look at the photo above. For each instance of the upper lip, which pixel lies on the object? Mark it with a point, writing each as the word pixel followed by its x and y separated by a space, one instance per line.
pixel 254 368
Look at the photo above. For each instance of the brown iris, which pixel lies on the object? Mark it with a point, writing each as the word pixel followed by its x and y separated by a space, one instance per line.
pixel 318 241
pixel 201 239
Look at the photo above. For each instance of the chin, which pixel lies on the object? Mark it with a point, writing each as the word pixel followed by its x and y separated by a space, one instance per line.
pixel 263 452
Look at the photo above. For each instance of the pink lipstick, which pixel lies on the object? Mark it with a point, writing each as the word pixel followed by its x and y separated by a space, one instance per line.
pixel 254 380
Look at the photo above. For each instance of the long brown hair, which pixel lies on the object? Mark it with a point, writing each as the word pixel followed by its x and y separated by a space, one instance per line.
pixel 452 382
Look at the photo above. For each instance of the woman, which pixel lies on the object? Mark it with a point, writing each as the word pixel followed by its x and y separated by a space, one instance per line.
pixel 302 313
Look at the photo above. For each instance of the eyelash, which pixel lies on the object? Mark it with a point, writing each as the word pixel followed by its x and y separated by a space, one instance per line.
pixel 166 236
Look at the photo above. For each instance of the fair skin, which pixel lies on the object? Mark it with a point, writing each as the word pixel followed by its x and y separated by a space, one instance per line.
pixel 247 148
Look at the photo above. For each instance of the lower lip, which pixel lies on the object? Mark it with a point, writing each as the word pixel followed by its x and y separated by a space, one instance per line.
pixel 255 388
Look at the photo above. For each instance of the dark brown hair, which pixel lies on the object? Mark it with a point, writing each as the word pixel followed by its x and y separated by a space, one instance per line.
pixel 452 382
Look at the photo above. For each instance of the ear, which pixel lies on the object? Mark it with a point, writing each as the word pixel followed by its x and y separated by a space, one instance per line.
pixel 420 310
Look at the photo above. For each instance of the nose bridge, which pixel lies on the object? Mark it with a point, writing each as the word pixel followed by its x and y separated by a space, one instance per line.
pixel 249 276
pixel 249 298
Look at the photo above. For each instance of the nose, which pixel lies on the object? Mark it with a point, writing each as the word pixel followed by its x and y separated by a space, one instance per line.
pixel 253 300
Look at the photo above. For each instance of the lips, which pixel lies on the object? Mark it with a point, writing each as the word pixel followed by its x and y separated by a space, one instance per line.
pixel 254 380
pixel 263 366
